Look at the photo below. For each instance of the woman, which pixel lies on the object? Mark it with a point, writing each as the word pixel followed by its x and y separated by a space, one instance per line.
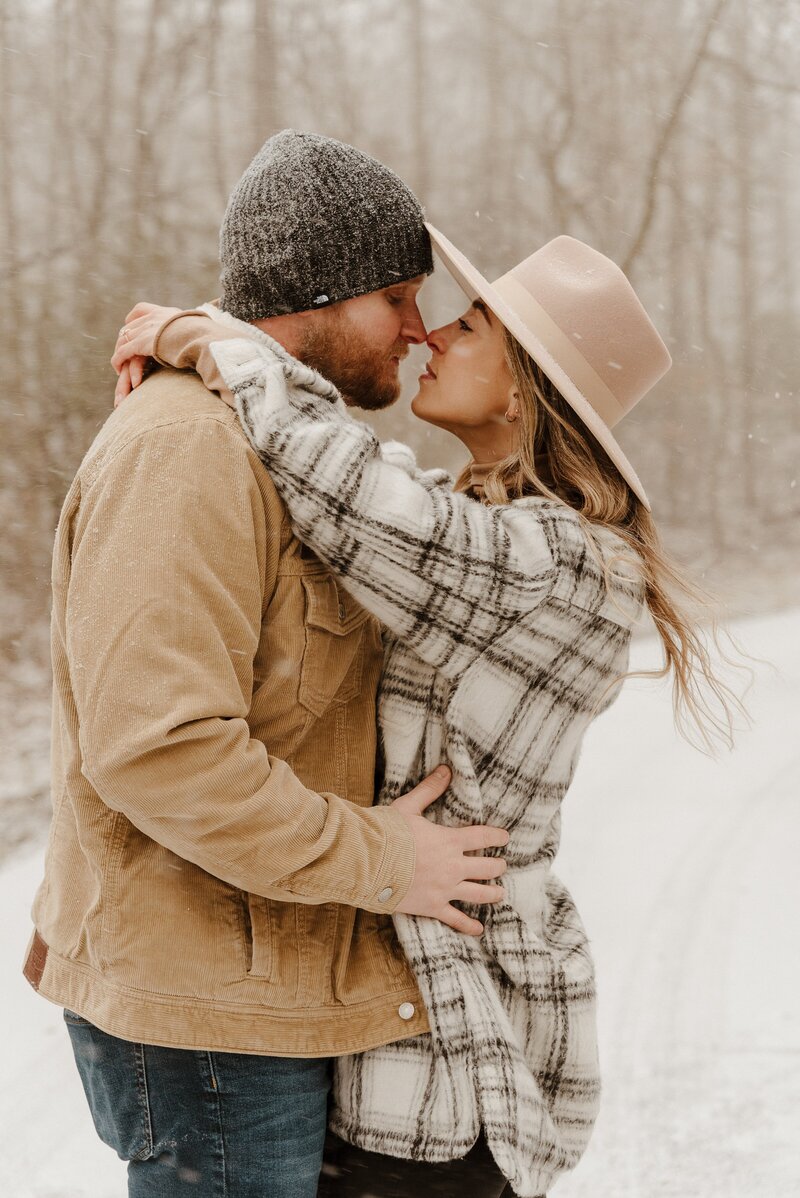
pixel 508 604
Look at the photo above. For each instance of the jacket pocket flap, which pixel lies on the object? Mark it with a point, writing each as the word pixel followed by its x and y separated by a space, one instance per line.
pixel 329 607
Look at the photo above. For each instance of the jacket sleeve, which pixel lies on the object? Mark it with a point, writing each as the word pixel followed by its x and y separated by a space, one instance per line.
pixel 164 613
pixel 444 573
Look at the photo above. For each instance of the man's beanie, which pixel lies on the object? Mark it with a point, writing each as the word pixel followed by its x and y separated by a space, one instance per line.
pixel 313 221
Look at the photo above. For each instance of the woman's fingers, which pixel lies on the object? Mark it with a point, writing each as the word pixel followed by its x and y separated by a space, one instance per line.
pixel 127 348
pixel 139 346
pixel 142 308
pixel 137 368
pixel 137 337
pixel 131 374
pixel 123 386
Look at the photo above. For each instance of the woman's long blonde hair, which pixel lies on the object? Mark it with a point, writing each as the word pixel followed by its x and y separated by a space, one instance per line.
pixel 556 456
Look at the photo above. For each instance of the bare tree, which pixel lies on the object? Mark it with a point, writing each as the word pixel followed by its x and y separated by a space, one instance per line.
pixel 666 141
pixel 654 164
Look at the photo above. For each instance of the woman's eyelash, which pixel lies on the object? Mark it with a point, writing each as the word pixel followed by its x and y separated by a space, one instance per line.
pixel 462 324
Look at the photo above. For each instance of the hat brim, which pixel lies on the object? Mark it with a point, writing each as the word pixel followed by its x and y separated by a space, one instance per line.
pixel 475 286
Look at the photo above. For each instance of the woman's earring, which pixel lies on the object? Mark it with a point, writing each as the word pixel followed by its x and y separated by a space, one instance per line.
pixel 511 417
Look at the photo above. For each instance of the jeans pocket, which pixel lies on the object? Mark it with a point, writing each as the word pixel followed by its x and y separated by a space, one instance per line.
pixel 115 1083
pixel 73 1019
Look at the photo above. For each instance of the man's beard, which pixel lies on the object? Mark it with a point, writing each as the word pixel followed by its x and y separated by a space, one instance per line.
pixel 336 348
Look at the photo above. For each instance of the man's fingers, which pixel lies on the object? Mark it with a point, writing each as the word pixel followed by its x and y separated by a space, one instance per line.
pixel 484 868
pixel 481 837
pixel 429 789
pixel 460 922
pixel 474 892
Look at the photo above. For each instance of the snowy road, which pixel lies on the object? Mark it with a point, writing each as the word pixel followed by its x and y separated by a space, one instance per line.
pixel 685 871
pixel 687 877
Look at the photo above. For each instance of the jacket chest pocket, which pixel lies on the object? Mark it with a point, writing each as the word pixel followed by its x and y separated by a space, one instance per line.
pixel 333 658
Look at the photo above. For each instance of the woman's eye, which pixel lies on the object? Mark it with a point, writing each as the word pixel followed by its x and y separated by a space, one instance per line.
pixel 462 324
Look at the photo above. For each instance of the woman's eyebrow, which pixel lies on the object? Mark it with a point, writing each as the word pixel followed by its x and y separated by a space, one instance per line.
pixel 480 306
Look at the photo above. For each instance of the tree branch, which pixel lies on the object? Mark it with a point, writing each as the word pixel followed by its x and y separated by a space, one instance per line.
pixel 656 160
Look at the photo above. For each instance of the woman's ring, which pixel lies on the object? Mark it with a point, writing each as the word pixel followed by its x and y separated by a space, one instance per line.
pixel 125 333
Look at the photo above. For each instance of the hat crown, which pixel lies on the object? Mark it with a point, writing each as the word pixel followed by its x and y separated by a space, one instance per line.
pixel 596 311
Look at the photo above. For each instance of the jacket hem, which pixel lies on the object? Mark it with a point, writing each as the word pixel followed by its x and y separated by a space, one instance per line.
pixel 205 1025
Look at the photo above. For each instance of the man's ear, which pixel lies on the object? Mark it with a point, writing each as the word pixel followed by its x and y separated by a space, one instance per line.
pixel 289 330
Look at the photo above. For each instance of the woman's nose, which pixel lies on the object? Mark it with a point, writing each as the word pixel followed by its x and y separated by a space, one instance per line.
pixel 437 339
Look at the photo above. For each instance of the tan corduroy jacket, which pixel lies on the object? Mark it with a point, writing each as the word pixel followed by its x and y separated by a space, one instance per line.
pixel 216 876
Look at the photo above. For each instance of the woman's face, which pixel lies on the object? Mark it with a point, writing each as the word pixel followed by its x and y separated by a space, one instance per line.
pixel 467 387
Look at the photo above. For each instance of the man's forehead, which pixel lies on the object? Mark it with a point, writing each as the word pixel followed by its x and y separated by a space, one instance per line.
pixel 407 284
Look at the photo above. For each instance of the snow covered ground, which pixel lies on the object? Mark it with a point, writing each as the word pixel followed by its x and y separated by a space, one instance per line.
pixel 685 870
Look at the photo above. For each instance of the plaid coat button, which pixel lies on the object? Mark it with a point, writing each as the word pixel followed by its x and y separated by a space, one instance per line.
pixel 406 1010
pixel 385 894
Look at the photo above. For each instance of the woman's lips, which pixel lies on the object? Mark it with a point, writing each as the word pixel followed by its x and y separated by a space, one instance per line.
pixel 429 374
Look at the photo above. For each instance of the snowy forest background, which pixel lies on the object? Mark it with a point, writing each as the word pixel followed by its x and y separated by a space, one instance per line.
pixel 665 134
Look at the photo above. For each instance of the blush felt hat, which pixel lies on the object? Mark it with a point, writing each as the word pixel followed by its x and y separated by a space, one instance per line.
pixel 574 311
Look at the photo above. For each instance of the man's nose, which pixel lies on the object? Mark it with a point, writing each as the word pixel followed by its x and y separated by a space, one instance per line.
pixel 413 329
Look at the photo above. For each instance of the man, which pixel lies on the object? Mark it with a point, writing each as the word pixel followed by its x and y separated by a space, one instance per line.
pixel 215 913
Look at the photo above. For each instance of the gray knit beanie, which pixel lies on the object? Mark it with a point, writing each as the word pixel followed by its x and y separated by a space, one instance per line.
pixel 313 221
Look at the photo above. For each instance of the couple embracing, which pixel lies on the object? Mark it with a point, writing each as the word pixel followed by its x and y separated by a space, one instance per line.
pixel 316 709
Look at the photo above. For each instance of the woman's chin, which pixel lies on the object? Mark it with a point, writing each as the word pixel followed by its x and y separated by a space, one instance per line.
pixel 418 406
pixel 425 409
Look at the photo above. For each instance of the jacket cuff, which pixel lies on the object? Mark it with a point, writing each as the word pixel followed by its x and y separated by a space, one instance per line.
pixel 396 873
pixel 176 341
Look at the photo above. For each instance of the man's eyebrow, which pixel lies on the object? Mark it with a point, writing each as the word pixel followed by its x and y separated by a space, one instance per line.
pixel 480 306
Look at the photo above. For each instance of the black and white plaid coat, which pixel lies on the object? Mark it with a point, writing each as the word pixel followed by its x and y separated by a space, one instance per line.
pixel 503 642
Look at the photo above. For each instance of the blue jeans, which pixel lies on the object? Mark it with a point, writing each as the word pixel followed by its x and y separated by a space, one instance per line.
pixel 205 1124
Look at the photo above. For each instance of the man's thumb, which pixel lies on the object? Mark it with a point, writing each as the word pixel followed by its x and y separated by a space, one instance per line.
pixel 430 788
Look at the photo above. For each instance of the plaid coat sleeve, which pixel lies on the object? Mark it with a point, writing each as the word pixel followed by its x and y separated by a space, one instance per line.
pixel 444 573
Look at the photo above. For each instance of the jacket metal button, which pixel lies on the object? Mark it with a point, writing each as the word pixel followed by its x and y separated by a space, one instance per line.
pixel 385 894
pixel 406 1010
pixel 342 612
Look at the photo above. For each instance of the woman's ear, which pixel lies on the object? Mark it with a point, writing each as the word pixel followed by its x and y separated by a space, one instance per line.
pixel 512 407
